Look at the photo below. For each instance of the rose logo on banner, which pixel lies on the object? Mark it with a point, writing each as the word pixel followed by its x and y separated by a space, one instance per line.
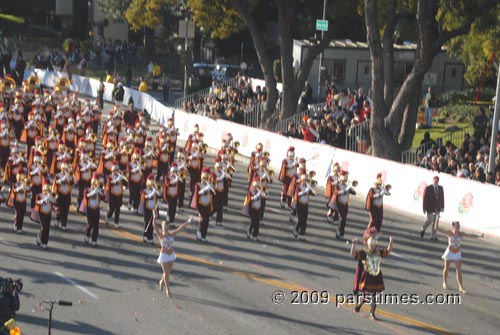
pixel 267 146
pixel 204 129
pixel 419 192
pixel 466 204
pixel 224 133
pixel 245 140
pixel 186 125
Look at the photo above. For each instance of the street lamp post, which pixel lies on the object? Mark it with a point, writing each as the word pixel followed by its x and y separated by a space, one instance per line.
pixel 321 55
pixel 494 130
pixel 186 50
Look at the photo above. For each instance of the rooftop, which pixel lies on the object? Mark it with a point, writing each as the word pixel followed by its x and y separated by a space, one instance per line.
pixel 348 44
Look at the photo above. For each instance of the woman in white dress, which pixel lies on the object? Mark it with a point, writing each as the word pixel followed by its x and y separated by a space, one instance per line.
pixel 167 254
pixel 453 253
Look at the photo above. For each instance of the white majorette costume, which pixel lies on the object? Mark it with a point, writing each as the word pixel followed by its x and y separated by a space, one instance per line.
pixel 287 172
pixel 203 201
pixel 42 213
pixel 453 252
pixel 252 207
pixel 114 190
pixel 300 203
pixel 331 182
pixel 171 191
pixel 148 207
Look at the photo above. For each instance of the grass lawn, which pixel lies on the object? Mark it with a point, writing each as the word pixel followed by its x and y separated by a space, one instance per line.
pixel 436 131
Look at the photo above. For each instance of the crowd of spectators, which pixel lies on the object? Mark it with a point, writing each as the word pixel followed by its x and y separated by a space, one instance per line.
pixel 228 102
pixel 470 159
pixel 12 64
pixel 343 112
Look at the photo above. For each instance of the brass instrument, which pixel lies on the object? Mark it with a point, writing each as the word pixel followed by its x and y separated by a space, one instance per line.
pixel 34 82
pixel 310 176
pixel 387 188
pixel 93 138
pixel 203 148
pixel 353 183
pixel 7 85
pixel 63 84
pixel 236 144
pixel 125 179
pixel 127 149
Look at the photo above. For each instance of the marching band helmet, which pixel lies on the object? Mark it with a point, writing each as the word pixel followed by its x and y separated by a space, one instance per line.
pixel 218 164
pixel 173 168
pixel 150 180
pixel 304 178
pixel 64 166
pixel 20 177
pixel 110 145
pixel 342 178
pixel 135 157
pixel 259 147
pixel 46 187
pixel 205 173
pixel 378 180
pixel 302 163
pixel 290 153
pixel 255 181
pixel 335 167
pixel 180 153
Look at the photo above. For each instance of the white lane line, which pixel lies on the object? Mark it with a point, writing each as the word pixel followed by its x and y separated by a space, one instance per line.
pixel 78 286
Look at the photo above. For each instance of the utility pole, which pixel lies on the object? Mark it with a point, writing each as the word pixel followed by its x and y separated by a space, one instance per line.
pixel 321 55
pixel 494 130
pixel 186 50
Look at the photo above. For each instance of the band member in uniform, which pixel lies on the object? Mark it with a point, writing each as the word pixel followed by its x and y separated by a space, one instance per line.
pixel 61 155
pixel 125 151
pixel 15 164
pixel 62 187
pixel 17 199
pixel 331 182
pixel 172 138
pixel 288 171
pixel 5 138
pixel 183 173
pixel 194 166
pixel 340 196
pixel 135 174
pixel 37 174
pixel 252 207
pixel 167 254
pixel 171 191
pixel 375 202
pixel 108 156
pixel 45 202
pixel 254 162
pixel 92 202
pixel 203 201
pixel 265 177
pixel 85 169
pixel 221 184
pixel 371 280
pixel 300 202
pixel 115 187
pixel 148 157
pixel 52 143
pixel 163 156
pixel 149 203
pixel 17 118
pixel 191 139
pixel 293 183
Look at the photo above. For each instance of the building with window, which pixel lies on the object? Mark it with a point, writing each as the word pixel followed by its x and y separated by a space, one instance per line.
pixel 348 65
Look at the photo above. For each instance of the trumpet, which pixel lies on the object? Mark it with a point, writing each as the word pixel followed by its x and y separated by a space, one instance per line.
pixel 127 149
pixel 122 176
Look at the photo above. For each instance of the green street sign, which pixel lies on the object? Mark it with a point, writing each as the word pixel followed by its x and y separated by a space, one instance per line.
pixel 322 25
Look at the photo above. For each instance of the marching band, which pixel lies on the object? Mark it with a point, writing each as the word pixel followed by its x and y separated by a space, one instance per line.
pixel 60 135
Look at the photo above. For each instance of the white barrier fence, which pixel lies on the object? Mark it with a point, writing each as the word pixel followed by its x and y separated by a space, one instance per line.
pixel 471 203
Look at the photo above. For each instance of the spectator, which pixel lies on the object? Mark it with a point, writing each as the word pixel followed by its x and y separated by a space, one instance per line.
pixel 292 131
pixel 128 76
pixel 480 123
pixel 82 66
pixel 165 85
pixel 430 104
pixel 118 93
pixel 100 93
pixel 143 87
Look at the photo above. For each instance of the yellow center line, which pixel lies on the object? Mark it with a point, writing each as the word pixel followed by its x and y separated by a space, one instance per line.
pixel 291 286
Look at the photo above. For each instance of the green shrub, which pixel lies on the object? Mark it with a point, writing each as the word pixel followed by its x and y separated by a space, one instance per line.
pixel 467 95
pixel 66 44
pixel 458 113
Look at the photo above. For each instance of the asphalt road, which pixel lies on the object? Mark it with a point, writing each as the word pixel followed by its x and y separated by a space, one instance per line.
pixel 226 286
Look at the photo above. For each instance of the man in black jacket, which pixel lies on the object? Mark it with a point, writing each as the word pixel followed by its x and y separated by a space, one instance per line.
pixel 433 204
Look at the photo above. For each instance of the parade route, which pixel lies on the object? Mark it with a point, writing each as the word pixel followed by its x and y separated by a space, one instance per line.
pixel 230 284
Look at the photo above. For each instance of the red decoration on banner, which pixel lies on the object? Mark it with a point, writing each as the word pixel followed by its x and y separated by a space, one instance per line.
pixel 267 146
pixel 345 166
pixel 245 140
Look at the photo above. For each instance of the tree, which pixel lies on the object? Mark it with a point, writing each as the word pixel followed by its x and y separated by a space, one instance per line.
pixel 114 9
pixel 225 17
pixel 476 49
pixel 392 125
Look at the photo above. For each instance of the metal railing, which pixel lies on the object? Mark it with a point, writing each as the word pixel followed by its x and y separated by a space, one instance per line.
pixel 195 97
pixel 282 126
pixel 253 114
pixel 456 137
pixel 357 137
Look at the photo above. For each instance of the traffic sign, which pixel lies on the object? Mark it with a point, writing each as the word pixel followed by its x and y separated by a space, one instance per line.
pixel 322 25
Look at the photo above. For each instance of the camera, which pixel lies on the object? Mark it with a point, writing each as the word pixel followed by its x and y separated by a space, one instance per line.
pixel 10 285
